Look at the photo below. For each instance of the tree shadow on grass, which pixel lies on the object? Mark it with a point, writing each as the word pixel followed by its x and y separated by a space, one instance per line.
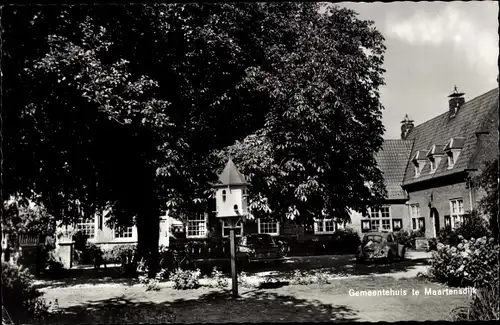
pixel 335 266
pixel 72 277
pixel 213 307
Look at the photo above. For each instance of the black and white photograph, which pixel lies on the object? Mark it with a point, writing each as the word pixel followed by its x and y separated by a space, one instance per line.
pixel 249 162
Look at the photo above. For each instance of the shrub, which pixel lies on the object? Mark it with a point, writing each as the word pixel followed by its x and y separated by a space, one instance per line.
pixel 120 254
pixel 175 257
pixel 432 244
pixel 218 277
pixel 22 301
pixel 471 262
pixel 474 227
pixel 483 305
pixel 89 254
pixel 185 279
pixel 152 284
pixel 322 278
pixel 243 280
pixel 345 241
pixel 407 238
pixel 299 277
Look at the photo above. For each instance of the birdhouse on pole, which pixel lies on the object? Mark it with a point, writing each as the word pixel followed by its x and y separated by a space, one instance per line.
pixel 231 193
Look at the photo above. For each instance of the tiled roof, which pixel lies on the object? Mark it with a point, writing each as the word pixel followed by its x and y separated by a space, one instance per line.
pixel 455 143
pixel 392 160
pixel 439 130
pixel 419 155
pixel 231 175
pixel 436 149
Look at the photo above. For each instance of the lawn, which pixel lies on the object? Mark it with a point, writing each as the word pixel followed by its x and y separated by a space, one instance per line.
pixel 130 303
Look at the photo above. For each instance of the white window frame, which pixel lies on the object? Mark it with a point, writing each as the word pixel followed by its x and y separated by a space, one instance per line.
pixel 451 160
pixel 261 224
pixel 125 233
pixel 456 215
pixel 414 215
pixel 378 217
pixel 419 166
pixel 86 226
pixel 417 170
pixel 323 229
pixel 433 165
pixel 225 225
pixel 199 232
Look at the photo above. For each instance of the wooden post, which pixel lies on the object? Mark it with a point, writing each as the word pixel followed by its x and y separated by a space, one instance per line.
pixel 234 275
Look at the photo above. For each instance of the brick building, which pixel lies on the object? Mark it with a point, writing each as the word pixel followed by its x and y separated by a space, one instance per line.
pixel 433 191
pixel 425 175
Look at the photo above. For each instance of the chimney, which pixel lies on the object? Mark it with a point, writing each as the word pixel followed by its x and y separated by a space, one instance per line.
pixel 406 127
pixel 456 100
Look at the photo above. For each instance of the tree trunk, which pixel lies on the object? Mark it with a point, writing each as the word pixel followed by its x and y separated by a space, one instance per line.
pixel 148 223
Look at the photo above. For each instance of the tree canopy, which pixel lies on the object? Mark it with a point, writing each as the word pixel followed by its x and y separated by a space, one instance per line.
pixel 138 106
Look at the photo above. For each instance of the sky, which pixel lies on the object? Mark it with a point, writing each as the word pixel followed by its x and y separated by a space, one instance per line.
pixel 431 47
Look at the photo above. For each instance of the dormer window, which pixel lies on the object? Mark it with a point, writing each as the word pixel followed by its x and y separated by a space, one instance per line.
pixel 435 154
pixel 433 165
pixel 451 161
pixel 453 149
pixel 419 162
pixel 417 169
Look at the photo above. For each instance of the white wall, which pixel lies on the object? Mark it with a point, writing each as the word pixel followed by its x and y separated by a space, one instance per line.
pixel 234 195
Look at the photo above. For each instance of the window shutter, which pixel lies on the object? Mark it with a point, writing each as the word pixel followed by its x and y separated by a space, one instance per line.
pixel 397 224
pixel 447 221
pixel 421 224
pixel 466 218
pixel 366 225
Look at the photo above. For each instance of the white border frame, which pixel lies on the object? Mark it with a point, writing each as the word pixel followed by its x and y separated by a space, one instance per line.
pixel 272 234
pixel 197 236
pixel 414 217
pixel 380 217
pixel 316 221
pixel 459 215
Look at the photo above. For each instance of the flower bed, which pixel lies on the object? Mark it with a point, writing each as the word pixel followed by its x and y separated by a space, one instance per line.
pixel 471 262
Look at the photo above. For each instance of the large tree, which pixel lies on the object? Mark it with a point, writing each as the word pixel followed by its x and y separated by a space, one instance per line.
pixel 136 107
pixel 488 205
pixel 314 157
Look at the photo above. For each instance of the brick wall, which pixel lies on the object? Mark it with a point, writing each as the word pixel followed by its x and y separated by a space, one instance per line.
pixel 398 211
pixel 441 196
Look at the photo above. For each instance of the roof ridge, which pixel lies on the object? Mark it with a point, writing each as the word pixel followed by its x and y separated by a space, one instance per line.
pixel 446 112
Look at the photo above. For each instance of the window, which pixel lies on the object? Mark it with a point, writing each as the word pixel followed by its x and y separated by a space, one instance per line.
pixel 268 227
pixel 226 228
pixel 451 161
pixel 223 195
pixel 123 232
pixel 324 226
pixel 417 171
pixel 456 212
pixel 414 215
pixel 380 218
pixel 197 226
pixel 86 226
pixel 433 165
